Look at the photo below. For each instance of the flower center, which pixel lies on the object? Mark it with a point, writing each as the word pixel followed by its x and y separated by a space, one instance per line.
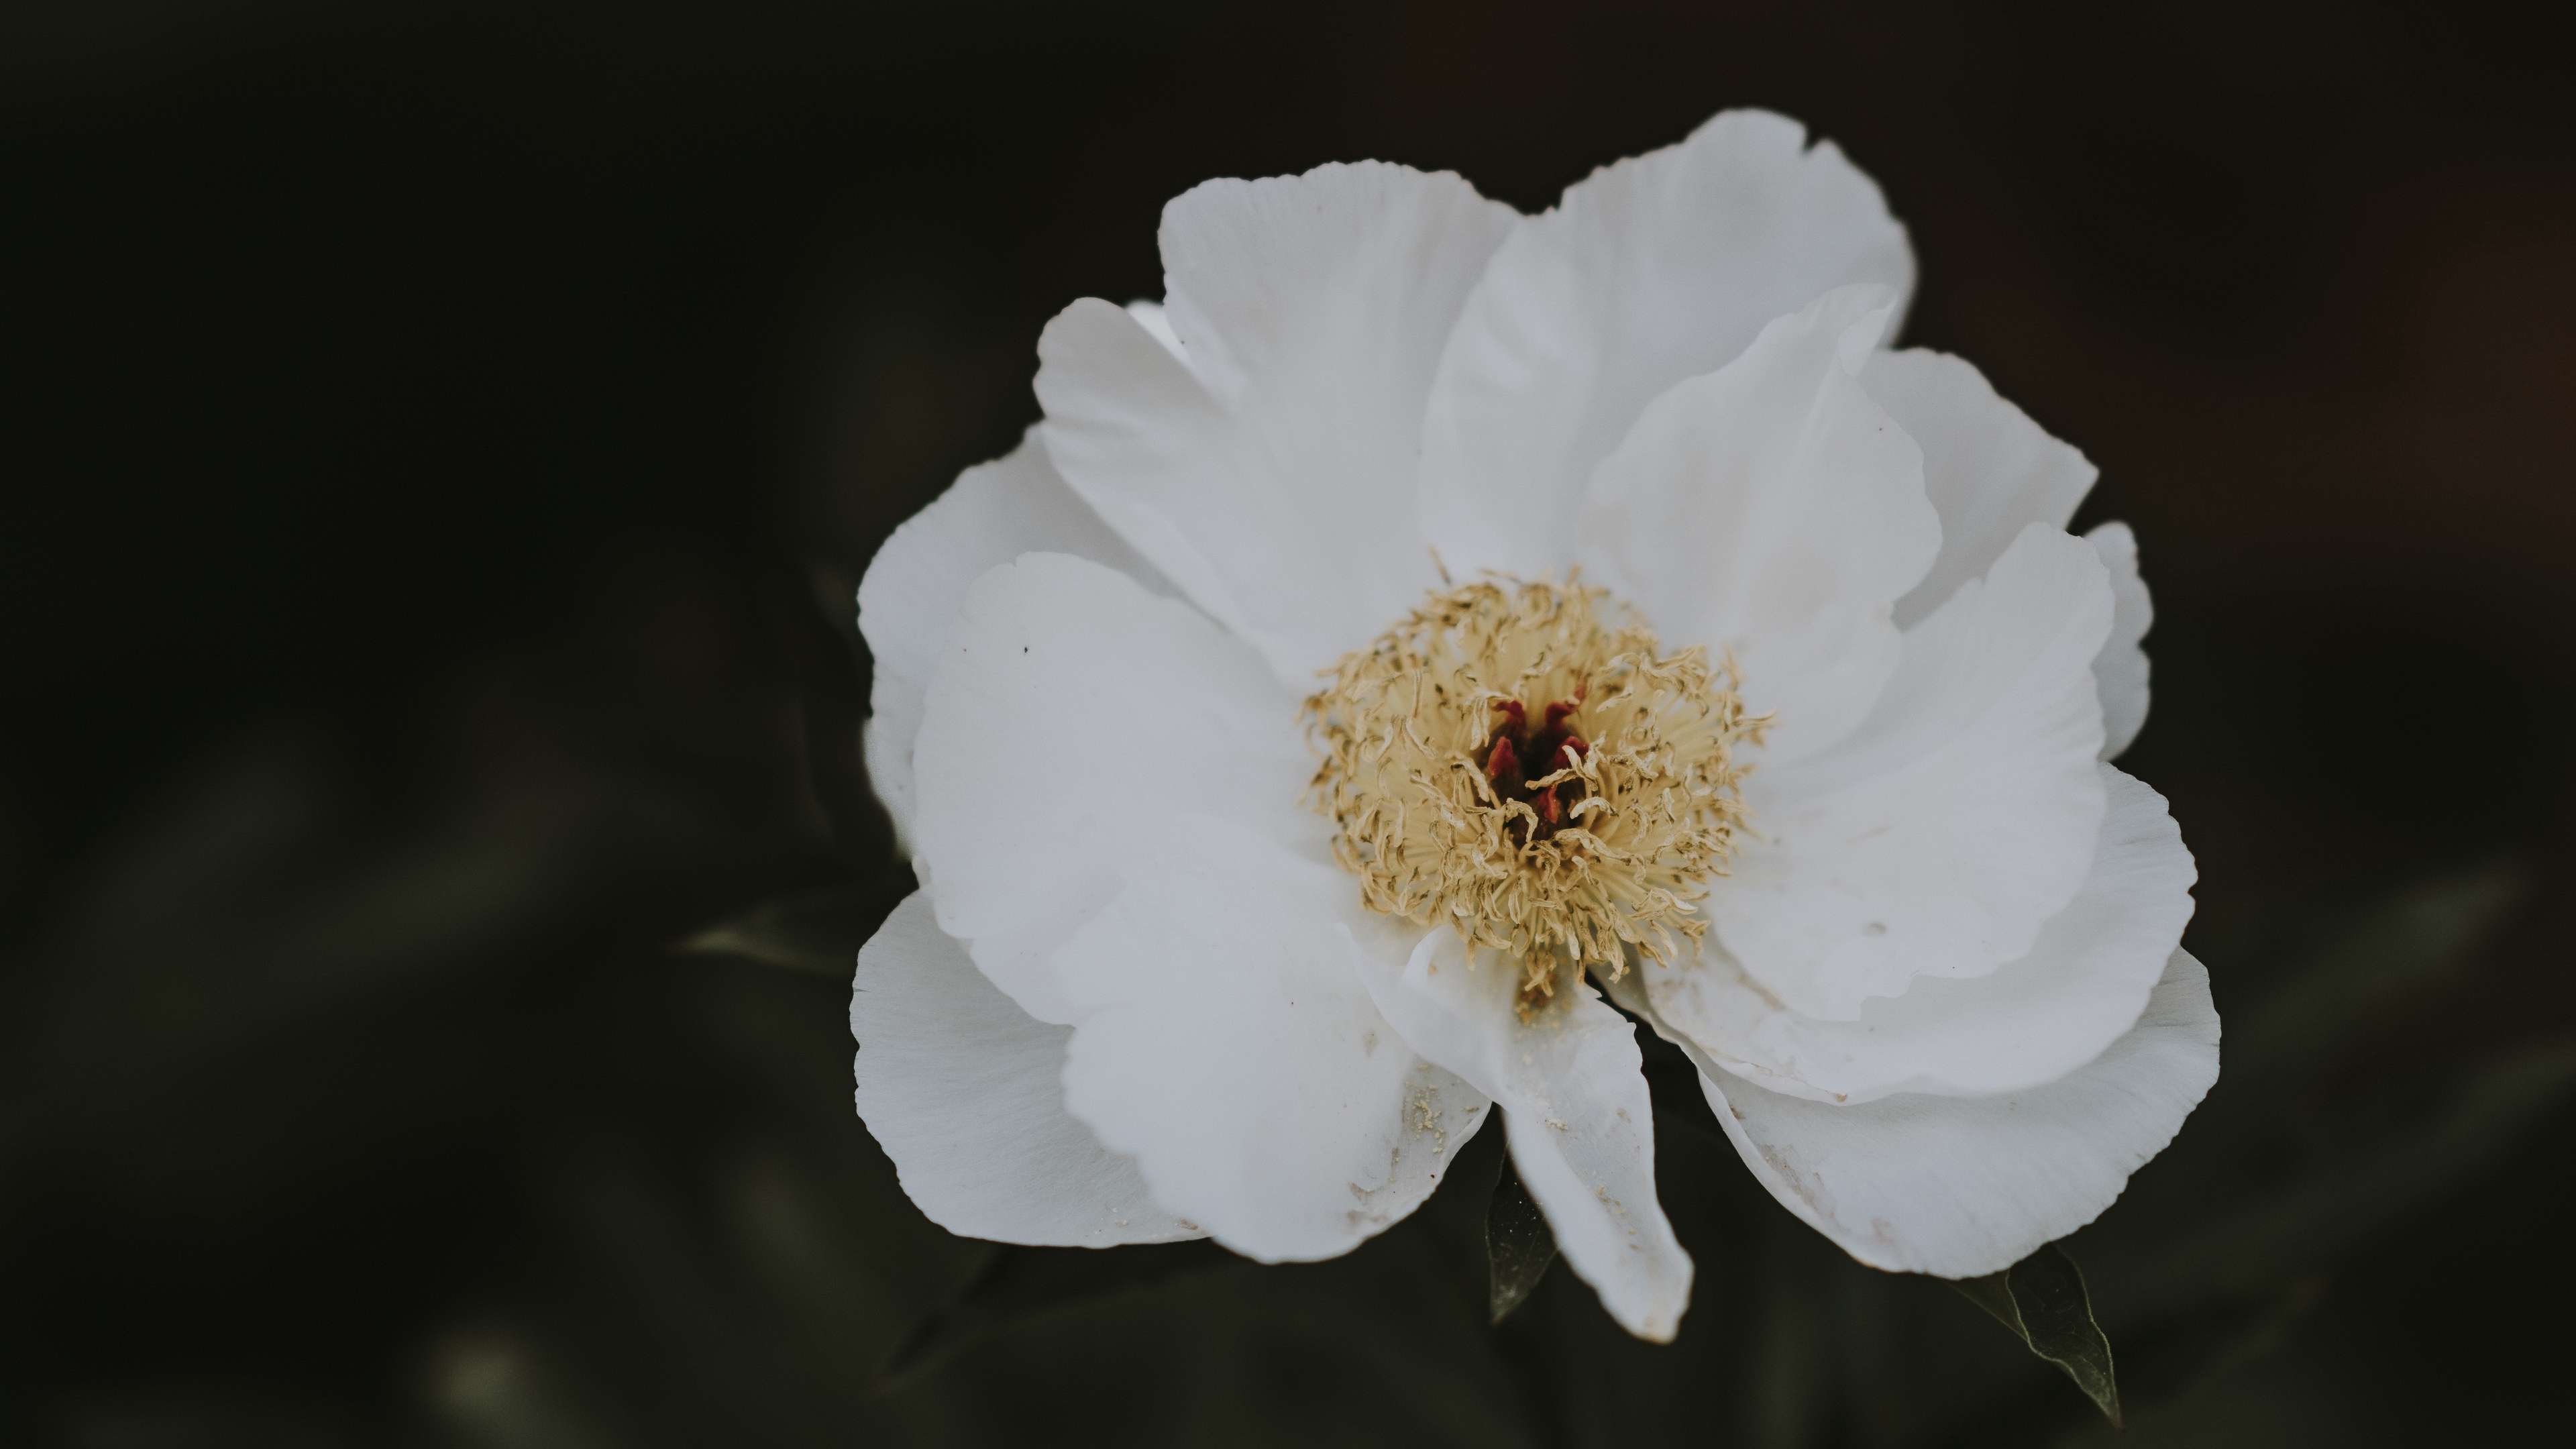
pixel 1522 762
pixel 1520 753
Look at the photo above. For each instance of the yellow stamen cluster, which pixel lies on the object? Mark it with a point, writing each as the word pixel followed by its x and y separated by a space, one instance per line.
pixel 1407 724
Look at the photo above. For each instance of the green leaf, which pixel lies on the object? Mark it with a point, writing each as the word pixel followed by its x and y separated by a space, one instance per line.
pixel 818 930
pixel 2042 1299
pixel 1518 1242
pixel 1017 1284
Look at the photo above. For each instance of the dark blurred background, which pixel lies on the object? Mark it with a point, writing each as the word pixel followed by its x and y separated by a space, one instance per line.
pixel 438 446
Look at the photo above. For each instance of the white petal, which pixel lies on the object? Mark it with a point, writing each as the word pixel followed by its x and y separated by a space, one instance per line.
pixel 1771 508
pixel 1151 317
pixel 2121 668
pixel 1268 466
pixel 965 1092
pixel 1654 270
pixel 1226 1042
pixel 2027 1024
pixel 1989 469
pixel 1581 1125
pixel 1962 1186
pixel 1956 819
pixel 1072 711
pixel 991 515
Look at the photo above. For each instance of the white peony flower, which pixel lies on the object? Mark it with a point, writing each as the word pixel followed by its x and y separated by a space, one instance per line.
pixel 1429 618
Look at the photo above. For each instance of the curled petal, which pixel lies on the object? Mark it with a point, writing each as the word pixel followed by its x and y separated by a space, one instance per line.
pixel 1581 1126
pixel 1072 713
pixel 1260 462
pixel 1657 269
pixel 1962 814
pixel 993 513
pixel 965 1092
pixel 2028 1023
pixel 2121 668
pixel 1989 470
pixel 1227 1044
pixel 1770 510
pixel 1963 1186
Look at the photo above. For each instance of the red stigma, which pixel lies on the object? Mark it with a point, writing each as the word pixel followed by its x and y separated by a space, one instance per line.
pixel 1520 749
